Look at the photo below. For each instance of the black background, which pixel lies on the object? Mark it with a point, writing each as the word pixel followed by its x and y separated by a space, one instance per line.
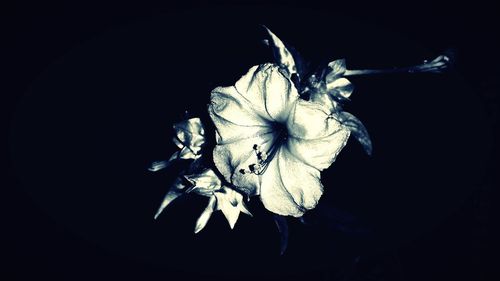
pixel 94 89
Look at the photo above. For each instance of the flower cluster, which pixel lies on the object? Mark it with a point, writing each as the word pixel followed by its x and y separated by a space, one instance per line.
pixel 276 129
pixel 190 139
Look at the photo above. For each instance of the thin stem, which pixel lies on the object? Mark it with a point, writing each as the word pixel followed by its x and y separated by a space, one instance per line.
pixel 437 65
pixel 376 71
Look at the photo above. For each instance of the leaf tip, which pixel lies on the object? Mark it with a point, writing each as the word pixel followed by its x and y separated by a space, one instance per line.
pixel 158 212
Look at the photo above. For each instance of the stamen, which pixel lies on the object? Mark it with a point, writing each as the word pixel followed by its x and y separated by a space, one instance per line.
pixel 263 157
pixel 252 167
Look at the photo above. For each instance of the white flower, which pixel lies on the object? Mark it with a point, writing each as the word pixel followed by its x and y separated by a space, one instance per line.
pixel 272 143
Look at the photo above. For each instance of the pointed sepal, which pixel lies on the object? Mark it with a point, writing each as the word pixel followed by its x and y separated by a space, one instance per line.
pixel 202 220
pixel 204 183
pixel 230 202
pixel 176 190
pixel 281 54
pixel 357 129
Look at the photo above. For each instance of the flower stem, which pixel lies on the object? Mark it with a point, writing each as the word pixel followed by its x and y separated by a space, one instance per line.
pixel 437 65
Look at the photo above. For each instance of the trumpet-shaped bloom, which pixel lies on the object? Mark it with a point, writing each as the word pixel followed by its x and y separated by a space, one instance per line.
pixel 272 143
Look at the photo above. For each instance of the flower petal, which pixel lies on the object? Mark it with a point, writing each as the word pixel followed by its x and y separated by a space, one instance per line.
pixel 189 133
pixel 310 120
pixel 205 215
pixel 341 88
pixel 336 69
pixel 228 103
pixel 320 153
pixel 270 93
pixel 234 117
pixel 191 125
pixel 289 187
pixel 229 132
pixel 233 157
pixel 329 104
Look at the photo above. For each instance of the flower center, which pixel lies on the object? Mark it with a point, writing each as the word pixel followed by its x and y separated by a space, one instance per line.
pixel 265 157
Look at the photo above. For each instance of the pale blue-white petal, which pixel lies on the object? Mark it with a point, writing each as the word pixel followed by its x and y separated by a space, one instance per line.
pixel 335 70
pixel 268 91
pixel 289 187
pixel 189 133
pixel 322 152
pixel 310 120
pixel 340 88
pixel 233 161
